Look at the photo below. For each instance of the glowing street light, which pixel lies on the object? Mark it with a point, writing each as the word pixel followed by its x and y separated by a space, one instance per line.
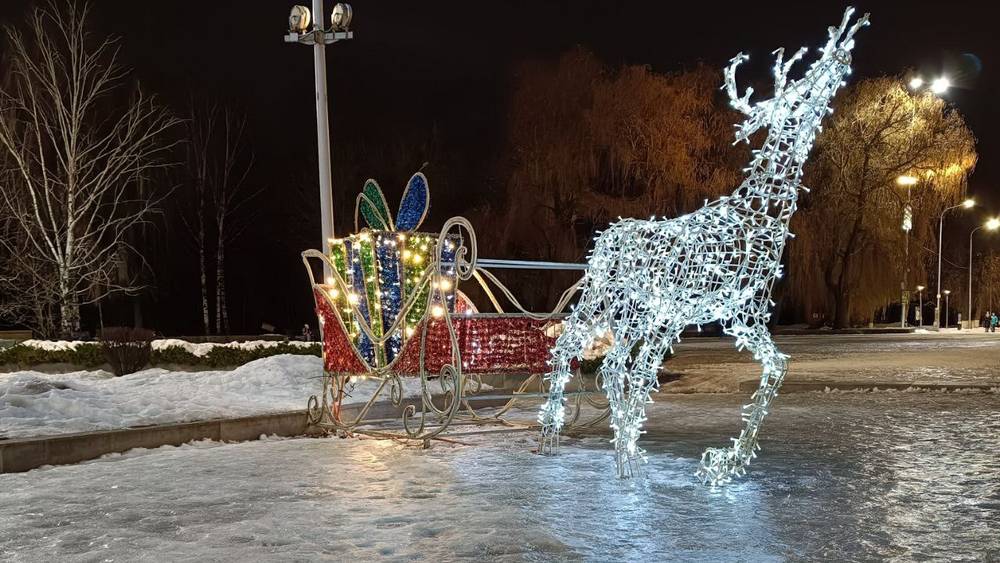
pixel 937 86
pixel 967 204
pixel 907 180
pixel 991 225
pixel 940 85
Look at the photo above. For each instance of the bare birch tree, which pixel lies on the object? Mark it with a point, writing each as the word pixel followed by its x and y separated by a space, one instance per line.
pixel 229 195
pixel 73 155
pixel 218 165
pixel 199 136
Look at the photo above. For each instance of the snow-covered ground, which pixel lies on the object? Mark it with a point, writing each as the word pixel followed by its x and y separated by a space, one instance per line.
pixel 36 404
pixel 901 477
pixel 198 349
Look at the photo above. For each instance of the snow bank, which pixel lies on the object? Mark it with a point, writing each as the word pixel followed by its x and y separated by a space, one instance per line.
pixel 33 403
pixel 198 349
pixel 38 404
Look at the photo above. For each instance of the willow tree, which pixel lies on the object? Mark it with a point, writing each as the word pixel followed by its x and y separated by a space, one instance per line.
pixel 588 142
pixel 75 146
pixel 849 257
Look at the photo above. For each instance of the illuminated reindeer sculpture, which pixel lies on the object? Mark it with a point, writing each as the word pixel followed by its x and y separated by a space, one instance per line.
pixel 647 280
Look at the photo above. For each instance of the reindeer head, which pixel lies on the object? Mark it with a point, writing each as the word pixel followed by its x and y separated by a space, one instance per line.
pixel 803 102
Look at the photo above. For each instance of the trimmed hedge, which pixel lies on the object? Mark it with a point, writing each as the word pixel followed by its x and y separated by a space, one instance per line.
pixel 89 355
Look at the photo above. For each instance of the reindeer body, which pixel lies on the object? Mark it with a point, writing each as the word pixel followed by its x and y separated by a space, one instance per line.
pixel 647 280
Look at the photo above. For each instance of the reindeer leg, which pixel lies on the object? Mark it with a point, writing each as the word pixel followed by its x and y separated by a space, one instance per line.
pixel 613 374
pixel 575 338
pixel 720 465
pixel 642 382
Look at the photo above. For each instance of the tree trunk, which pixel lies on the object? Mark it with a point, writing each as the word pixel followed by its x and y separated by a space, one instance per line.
pixel 69 309
pixel 842 308
pixel 221 313
pixel 203 267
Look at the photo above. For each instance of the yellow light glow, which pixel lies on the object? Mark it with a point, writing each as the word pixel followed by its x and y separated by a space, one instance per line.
pixel 353 298
pixel 409 331
pixel 946 292
pixel 365 237
pixel 437 311
pixel 921 288
pixel 407 254
pixel 906 180
pixel 916 82
pixel 329 280
pixel 969 203
pixel 417 258
pixel 445 285
pixel 993 224
pixel 334 293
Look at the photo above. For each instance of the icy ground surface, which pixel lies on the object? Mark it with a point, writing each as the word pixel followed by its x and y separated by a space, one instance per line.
pixel 842 477
pixel 712 365
pixel 38 404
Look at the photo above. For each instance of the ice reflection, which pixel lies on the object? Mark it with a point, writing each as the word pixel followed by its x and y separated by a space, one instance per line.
pixel 842 477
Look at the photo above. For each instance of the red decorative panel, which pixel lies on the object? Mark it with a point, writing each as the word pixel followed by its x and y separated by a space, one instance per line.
pixel 338 354
pixel 494 344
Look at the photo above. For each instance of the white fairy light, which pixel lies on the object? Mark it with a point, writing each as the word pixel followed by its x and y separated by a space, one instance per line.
pixel 647 280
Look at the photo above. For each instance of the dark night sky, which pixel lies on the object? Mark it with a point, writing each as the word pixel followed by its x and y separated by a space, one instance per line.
pixel 448 65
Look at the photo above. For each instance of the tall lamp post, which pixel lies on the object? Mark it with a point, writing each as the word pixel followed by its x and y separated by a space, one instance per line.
pixel 990 225
pixel 920 312
pixel 938 86
pixel 947 294
pixel 967 204
pixel 306 27
pixel 904 299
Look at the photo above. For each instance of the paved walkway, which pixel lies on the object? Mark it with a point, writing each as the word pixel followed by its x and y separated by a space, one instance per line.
pixel 954 358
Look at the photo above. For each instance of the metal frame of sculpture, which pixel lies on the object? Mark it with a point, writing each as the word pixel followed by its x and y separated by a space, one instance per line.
pixel 647 280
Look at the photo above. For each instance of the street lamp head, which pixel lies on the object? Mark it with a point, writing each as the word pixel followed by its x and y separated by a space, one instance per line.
pixel 993 224
pixel 906 180
pixel 969 203
pixel 940 85
pixel 299 19
pixel 921 288
pixel 341 16
pixel 946 292
pixel 916 82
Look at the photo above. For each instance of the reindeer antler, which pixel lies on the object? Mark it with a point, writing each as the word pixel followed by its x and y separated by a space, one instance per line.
pixel 740 103
pixel 781 68
pixel 841 37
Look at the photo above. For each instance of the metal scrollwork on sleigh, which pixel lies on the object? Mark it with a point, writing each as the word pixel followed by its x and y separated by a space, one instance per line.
pixel 396 327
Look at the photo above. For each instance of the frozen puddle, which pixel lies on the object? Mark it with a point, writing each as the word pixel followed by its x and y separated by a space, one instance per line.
pixel 878 476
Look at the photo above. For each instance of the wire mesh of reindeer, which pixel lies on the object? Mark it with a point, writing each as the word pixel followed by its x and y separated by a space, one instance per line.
pixel 648 280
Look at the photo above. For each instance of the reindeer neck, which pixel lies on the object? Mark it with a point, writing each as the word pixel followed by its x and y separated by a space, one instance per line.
pixel 773 176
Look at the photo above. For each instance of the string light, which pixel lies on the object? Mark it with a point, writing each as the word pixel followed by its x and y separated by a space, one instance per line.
pixel 647 280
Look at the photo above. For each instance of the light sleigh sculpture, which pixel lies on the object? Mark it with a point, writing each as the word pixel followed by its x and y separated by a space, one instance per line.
pixel 647 280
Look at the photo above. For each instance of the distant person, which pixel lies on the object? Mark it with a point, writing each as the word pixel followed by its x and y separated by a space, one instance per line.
pixel 984 321
pixel 993 322
pixel 307 333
